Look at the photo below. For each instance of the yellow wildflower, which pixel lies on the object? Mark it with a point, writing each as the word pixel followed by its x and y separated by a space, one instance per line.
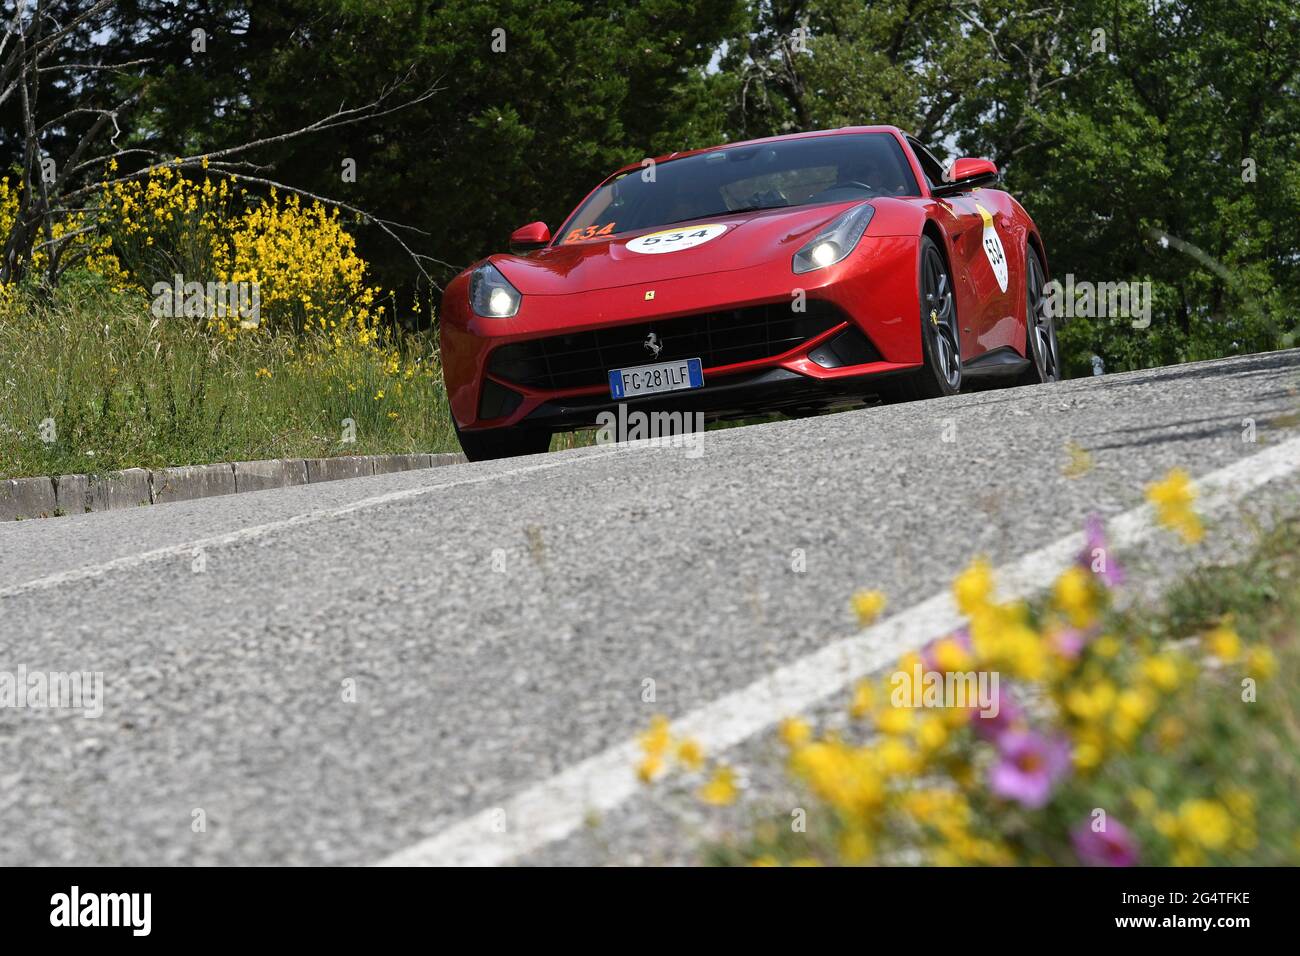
pixel 950 655
pixel 1170 733
pixel 650 768
pixel 1162 671
pixel 795 732
pixel 864 700
pixel 973 588
pixel 1106 646
pixel 1172 498
pixel 721 788
pixel 1205 822
pixel 656 740
pixel 894 720
pixel 855 846
pixel 931 733
pixel 897 758
pixel 1260 662
pixel 1224 643
pixel 1143 800
pixel 690 754
pixel 1075 596
pixel 868 605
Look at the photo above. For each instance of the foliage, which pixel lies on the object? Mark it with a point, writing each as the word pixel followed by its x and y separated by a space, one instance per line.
pixel 1121 740
pixel 1115 124
pixel 1182 127
pixel 90 246
pixel 124 388
pixel 301 258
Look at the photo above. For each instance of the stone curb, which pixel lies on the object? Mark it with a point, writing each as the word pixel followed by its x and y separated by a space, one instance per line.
pixel 31 497
pixel 73 494
pixel 193 481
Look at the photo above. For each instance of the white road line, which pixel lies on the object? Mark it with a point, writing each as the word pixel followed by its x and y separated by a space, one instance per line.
pixel 554 808
pixel 257 531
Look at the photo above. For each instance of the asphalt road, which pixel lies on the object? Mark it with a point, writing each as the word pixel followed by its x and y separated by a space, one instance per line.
pixel 495 623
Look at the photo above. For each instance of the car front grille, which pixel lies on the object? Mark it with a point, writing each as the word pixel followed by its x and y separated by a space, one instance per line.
pixel 581 359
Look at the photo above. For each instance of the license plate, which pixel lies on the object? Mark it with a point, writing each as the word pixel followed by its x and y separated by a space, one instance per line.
pixel 652 379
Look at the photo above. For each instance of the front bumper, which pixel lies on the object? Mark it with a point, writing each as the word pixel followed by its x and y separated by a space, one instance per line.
pixel 499 373
pixel 736 396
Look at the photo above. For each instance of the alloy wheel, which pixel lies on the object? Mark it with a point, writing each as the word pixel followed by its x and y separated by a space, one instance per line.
pixel 940 319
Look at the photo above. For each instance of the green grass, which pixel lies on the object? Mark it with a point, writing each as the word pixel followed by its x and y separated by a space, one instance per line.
pixel 124 389
pixel 1255 745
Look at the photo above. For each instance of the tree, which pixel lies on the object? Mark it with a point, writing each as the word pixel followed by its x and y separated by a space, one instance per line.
pixel 106 136
pixel 1168 159
pixel 536 103
pixel 1150 141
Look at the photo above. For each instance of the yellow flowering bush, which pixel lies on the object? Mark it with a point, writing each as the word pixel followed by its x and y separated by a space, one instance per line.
pixel 94 249
pixel 214 387
pixel 301 259
pixel 163 225
pixel 1050 737
pixel 306 266
pixel 8 210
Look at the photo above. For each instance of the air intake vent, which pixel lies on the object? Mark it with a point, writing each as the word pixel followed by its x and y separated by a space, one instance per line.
pixel 582 359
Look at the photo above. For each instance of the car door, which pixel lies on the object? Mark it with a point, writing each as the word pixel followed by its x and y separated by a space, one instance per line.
pixel 978 259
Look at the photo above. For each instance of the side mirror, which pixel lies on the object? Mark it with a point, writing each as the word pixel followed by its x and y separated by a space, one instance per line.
pixel 530 237
pixel 964 174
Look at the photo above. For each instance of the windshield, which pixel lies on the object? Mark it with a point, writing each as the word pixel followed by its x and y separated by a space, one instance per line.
pixel 795 172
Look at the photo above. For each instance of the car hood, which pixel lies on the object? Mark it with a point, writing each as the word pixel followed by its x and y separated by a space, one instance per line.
pixel 750 239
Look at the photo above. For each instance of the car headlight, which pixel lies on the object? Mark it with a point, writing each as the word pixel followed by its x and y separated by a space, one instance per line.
pixel 490 293
pixel 835 241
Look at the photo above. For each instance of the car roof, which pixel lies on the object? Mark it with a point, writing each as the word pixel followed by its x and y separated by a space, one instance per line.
pixel 764 139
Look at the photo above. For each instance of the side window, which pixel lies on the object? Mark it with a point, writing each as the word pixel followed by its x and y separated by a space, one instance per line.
pixel 932 168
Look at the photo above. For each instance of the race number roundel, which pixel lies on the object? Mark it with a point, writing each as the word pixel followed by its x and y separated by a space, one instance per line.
pixel 993 250
pixel 675 240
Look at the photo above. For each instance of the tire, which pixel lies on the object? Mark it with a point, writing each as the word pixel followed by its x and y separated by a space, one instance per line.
pixel 940 338
pixel 502 442
pixel 1041 347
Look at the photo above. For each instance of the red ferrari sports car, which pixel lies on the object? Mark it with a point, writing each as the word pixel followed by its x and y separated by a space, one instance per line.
pixel 789 274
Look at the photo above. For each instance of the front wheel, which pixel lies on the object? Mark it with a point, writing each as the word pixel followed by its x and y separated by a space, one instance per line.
pixel 496 443
pixel 940 339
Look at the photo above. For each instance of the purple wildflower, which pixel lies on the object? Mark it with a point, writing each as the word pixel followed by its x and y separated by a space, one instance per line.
pixel 1029 767
pixel 1069 642
pixel 1096 556
pixel 1113 846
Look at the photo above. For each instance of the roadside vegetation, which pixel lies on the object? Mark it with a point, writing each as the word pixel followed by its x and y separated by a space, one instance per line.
pixel 1165 737
pixel 95 375
pixel 119 388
